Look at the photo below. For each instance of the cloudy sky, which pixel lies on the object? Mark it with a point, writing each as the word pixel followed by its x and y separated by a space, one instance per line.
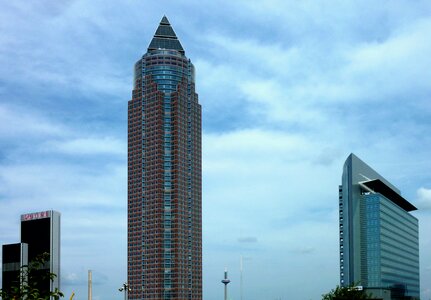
pixel 288 89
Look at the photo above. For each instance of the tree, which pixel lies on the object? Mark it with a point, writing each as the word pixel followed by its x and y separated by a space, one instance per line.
pixel 346 293
pixel 28 282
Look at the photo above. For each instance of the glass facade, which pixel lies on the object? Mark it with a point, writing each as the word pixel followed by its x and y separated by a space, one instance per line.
pixel 379 244
pixel 14 258
pixel 164 178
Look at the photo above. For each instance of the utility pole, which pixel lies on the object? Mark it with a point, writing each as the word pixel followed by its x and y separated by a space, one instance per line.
pixel 90 285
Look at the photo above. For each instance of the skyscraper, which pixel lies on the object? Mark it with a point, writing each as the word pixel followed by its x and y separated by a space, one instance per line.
pixel 164 174
pixel 41 231
pixel 379 243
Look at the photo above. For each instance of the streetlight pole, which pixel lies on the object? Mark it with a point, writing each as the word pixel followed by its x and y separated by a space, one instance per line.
pixel 240 277
pixel 126 289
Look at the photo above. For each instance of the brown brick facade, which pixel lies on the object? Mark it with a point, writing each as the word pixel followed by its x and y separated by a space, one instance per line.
pixel 164 180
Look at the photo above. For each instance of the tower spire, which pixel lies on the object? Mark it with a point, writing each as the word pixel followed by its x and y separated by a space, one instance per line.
pixel 165 38
pixel 165 21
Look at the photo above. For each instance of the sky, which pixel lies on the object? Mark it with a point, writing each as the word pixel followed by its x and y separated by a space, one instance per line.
pixel 288 90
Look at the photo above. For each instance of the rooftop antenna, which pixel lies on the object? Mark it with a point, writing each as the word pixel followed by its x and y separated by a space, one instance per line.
pixel 225 281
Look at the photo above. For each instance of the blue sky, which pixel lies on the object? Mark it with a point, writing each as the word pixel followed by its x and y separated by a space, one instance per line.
pixel 288 89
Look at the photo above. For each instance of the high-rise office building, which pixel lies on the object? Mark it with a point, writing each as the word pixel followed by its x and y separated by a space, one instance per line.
pixel 379 243
pixel 164 174
pixel 40 234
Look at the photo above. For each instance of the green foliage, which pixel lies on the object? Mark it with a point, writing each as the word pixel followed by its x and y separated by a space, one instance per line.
pixel 346 293
pixel 29 278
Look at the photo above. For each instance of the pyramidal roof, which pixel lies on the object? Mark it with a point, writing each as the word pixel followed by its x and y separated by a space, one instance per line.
pixel 165 38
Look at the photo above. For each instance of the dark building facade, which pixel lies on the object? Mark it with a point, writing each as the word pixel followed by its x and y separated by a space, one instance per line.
pixel 164 174
pixel 40 233
pixel 379 239
pixel 14 257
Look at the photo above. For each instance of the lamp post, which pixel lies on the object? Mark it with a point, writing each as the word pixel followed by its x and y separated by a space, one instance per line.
pixel 126 289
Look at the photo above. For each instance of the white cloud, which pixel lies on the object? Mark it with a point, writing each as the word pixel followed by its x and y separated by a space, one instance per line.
pixel 36 185
pixel 69 57
pixel 256 142
pixel 277 103
pixel 284 82
pixel 424 198
pixel 88 146
pixel 251 55
pixel 16 121
pixel 398 65
pixel 263 176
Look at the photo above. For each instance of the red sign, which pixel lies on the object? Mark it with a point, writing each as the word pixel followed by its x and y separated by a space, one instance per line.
pixel 35 216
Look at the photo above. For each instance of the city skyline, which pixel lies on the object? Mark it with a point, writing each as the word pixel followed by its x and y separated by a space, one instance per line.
pixel 288 90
